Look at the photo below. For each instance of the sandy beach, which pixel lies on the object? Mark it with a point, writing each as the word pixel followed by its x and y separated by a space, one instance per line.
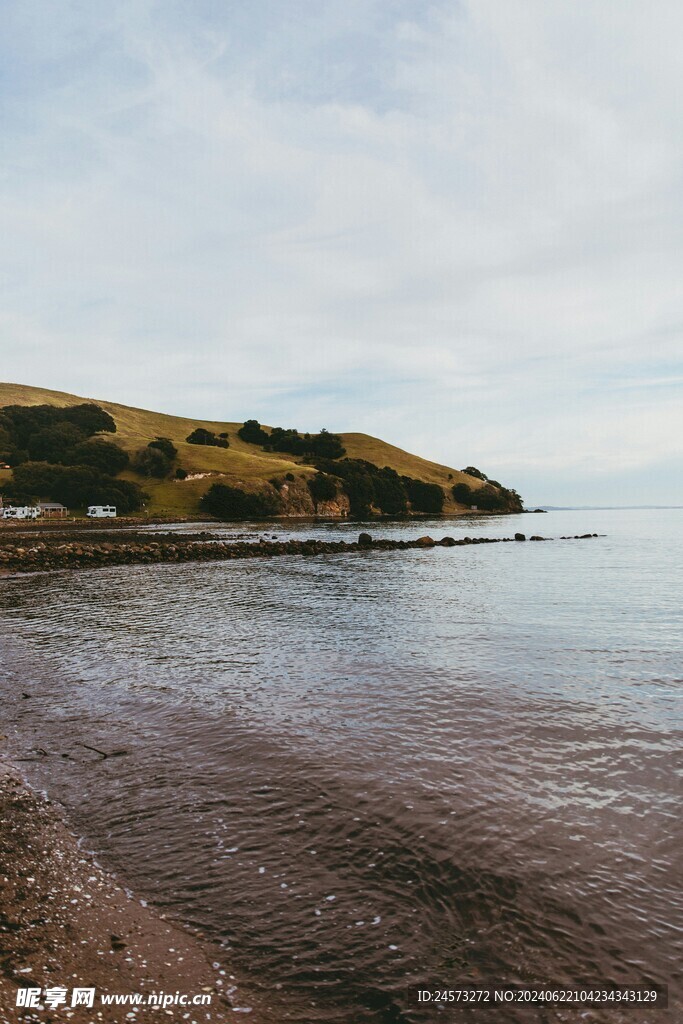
pixel 66 924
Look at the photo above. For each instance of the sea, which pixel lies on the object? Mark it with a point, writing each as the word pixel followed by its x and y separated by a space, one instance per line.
pixel 374 774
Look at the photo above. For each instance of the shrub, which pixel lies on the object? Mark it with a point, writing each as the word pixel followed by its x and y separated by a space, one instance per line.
pixel 226 502
pixel 165 445
pixel 151 462
pixel 289 476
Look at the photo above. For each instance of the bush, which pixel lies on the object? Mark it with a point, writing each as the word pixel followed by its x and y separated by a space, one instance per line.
pixel 180 473
pixel 103 455
pixel 165 445
pixel 289 476
pixel 151 462
pixel 322 488
pixel 203 436
pixel 225 502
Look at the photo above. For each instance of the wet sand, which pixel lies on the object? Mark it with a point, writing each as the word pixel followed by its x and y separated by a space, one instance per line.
pixel 66 922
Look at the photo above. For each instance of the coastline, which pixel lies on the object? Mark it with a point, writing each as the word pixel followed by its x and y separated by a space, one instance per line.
pixel 64 921
pixel 35 555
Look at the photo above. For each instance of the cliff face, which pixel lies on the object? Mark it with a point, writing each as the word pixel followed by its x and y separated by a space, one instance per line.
pixel 297 501
pixel 339 506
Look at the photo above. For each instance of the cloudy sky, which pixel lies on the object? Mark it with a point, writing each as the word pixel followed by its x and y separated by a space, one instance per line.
pixel 455 225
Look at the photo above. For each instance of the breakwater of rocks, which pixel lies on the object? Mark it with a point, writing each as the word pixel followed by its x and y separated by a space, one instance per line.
pixel 31 555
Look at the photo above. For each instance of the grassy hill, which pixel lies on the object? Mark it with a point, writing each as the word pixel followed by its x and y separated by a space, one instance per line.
pixel 241 464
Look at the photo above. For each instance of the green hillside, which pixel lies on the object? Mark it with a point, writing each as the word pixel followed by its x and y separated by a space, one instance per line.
pixel 241 464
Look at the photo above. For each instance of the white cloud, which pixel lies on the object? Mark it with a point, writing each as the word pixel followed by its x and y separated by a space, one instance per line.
pixel 457 229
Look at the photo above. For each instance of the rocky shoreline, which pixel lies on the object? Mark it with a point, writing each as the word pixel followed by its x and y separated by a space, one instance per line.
pixel 34 555
pixel 66 925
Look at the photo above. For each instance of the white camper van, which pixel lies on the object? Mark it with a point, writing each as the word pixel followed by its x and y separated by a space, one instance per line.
pixel 102 511
pixel 21 512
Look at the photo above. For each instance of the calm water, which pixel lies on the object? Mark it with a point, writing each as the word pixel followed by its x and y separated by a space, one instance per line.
pixel 375 772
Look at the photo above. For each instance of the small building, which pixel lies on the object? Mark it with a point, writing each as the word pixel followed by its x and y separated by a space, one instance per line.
pixel 53 510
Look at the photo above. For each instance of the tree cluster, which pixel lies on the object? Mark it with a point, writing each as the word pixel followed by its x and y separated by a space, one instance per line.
pixel 253 433
pixel 492 497
pixel 156 459
pixel 203 436
pixel 322 487
pixel 323 445
pixel 228 503
pixel 75 486
pixel 371 489
pixel 48 433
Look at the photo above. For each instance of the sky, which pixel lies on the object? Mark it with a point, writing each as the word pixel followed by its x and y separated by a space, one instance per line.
pixel 453 225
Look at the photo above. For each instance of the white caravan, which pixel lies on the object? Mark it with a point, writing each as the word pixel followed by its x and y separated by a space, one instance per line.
pixel 21 512
pixel 102 511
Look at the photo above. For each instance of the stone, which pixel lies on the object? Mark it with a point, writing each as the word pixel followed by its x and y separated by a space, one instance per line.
pixel 520 536
pixel 364 540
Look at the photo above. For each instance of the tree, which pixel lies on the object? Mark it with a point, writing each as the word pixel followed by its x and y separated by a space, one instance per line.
pixel 90 419
pixel 151 462
pixel 165 445
pixel 76 486
pixel 54 443
pixel 327 446
pixel 473 471
pixel 103 455
pixel 202 436
pixel 424 497
pixel 253 433
pixel 463 494
pixel 322 488
pixel 229 503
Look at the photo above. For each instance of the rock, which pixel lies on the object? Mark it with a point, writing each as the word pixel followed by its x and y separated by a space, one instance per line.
pixel 447 542
pixel 536 538
pixel 364 540
pixel 425 542
pixel 520 536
